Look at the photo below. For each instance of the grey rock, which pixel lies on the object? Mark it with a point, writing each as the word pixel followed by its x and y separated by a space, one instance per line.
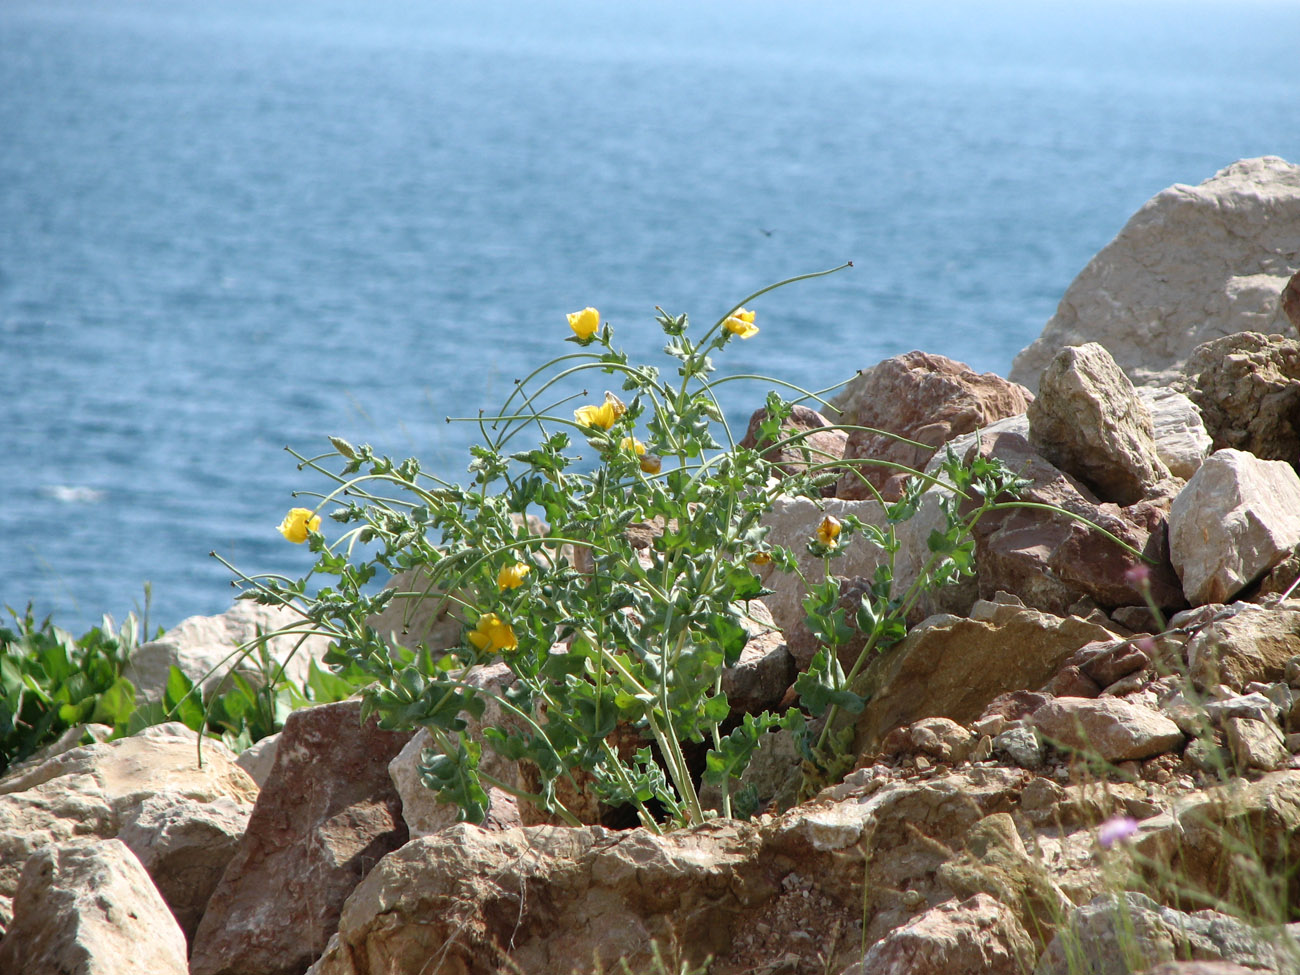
pixel 1022 745
pixel 207 648
pixel 1256 744
pixel 1181 439
pixel 1237 517
pixel 90 909
pixel 1112 933
pixel 1194 263
pixel 1088 421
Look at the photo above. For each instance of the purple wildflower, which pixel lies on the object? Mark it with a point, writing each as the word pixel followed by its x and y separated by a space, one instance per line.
pixel 1116 830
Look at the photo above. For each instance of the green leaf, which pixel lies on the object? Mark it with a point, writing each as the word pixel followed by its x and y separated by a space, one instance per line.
pixel 180 701
pixel 115 706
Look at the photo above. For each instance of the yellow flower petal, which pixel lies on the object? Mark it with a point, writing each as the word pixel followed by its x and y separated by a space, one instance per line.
pixel 297 524
pixel 828 530
pixel 584 323
pixel 603 416
pixel 651 464
pixel 742 324
pixel 512 576
pixel 760 558
pixel 633 444
pixel 492 635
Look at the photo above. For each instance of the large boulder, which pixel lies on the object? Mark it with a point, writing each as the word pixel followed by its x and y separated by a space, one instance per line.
pixel 207 648
pixel 1117 934
pixel 1253 644
pixel 953 667
pixel 1237 518
pixel 818 443
pixel 549 900
pixel 1052 560
pixel 927 399
pixel 1193 264
pixel 90 909
pixel 1088 421
pixel 182 819
pixel 327 814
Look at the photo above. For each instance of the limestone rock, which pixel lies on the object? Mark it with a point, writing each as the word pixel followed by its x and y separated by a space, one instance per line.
pixel 1236 518
pixel 546 899
pixel 259 758
pixel 1256 744
pixel 204 648
pixel 1194 263
pixel 1119 934
pixel 766 668
pixel 1247 387
pixel 978 936
pixel 928 399
pixel 791 523
pixel 1051 561
pixel 90 792
pixel 1182 442
pixel 185 846
pixel 1203 840
pixel 953 667
pixel 1113 729
pixel 1290 300
pixel 819 445
pixel 1088 421
pixel 418 614
pixel 421 810
pixel 90 909
pixel 327 814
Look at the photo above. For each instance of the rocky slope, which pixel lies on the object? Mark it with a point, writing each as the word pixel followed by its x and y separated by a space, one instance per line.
pixel 1048 780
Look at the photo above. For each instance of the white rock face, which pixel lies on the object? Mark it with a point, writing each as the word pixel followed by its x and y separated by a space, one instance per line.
pixel 94 791
pixel 1195 263
pixel 1181 440
pixel 1237 518
pixel 91 909
pixel 202 647
pixel 421 810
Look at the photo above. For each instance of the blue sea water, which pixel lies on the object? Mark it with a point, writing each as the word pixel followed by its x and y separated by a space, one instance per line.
pixel 230 227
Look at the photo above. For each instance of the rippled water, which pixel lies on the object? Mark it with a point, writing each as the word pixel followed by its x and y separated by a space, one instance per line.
pixel 229 227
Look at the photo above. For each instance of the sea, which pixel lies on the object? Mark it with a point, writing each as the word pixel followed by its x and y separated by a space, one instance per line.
pixel 231 228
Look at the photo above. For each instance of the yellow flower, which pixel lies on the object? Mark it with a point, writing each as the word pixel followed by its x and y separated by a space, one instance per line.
pixel 512 576
pixel 297 523
pixel 603 416
pixel 760 558
pixel 633 444
pixel 584 323
pixel 651 464
pixel 493 635
pixel 741 323
pixel 828 530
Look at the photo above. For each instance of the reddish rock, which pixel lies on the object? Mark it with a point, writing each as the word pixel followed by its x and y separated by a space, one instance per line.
pixel 1051 561
pixel 1114 730
pixel 926 398
pixel 819 446
pixel 327 814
